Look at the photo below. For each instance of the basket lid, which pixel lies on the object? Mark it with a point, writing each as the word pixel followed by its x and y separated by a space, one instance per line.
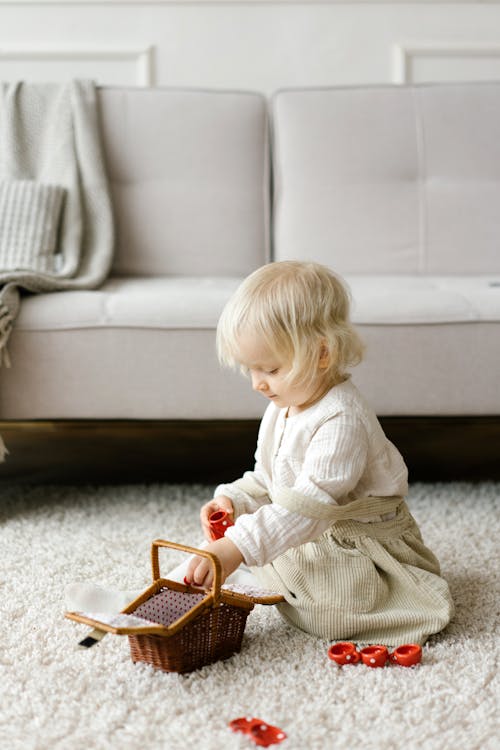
pixel 252 593
pixel 136 622
pixel 118 623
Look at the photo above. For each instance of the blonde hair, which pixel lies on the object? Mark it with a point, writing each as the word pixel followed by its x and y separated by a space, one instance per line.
pixel 294 308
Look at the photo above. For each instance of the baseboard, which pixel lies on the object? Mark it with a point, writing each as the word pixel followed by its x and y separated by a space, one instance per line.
pixel 129 451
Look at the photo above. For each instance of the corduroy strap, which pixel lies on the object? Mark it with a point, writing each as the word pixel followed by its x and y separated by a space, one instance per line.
pixel 363 507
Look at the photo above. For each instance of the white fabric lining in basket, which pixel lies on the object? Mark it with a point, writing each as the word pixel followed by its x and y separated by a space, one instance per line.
pixel 117 620
pixel 167 606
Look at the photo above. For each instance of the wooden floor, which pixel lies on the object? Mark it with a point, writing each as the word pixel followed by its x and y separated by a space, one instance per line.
pixel 435 448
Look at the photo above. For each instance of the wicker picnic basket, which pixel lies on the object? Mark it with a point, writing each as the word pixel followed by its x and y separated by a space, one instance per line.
pixel 180 628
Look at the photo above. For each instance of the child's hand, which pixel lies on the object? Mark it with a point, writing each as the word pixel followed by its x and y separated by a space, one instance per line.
pixel 221 502
pixel 200 571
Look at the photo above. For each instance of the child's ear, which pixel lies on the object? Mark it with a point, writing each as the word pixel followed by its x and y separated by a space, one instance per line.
pixel 324 356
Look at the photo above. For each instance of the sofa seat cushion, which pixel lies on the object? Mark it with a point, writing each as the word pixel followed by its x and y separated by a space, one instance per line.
pixel 403 300
pixel 145 349
pixel 137 348
pixel 165 302
pixel 196 302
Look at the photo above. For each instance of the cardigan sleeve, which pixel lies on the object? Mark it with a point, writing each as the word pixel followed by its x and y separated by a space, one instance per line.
pixel 251 491
pixel 333 465
pixel 270 531
pixel 247 494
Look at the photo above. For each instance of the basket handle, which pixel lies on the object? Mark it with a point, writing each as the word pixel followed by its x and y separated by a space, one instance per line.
pixel 215 591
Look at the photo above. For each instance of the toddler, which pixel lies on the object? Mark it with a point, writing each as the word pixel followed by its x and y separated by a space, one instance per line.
pixel 322 518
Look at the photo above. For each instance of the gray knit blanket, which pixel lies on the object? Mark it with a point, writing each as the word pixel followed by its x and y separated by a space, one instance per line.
pixel 56 226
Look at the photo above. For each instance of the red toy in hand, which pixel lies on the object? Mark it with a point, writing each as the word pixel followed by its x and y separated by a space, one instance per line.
pixel 219 521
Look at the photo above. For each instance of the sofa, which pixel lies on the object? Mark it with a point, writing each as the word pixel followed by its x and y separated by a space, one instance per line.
pixel 395 187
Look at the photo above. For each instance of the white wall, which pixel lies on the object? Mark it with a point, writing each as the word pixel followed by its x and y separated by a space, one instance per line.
pixel 260 46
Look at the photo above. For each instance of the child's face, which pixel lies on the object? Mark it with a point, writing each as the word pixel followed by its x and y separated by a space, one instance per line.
pixel 268 372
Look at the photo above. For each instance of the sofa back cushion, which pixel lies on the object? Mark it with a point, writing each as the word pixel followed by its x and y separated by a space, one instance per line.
pixel 189 178
pixel 398 179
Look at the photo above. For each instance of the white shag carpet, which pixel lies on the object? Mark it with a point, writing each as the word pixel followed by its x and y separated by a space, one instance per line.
pixel 55 696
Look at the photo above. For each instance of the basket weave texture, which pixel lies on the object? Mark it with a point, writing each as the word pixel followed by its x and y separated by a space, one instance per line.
pixel 210 631
pixel 176 627
pixel 215 634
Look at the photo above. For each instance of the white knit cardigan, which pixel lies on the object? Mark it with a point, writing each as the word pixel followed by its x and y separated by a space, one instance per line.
pixel 333 453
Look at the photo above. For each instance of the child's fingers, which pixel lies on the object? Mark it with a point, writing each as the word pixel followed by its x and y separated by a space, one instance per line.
pixel 202 574
pixel 218 503
pixel 205 514
pixel 198 572
pixel 207 532
pixel 193 563
pixel 208 509
pixel 207 529
pixel 225 503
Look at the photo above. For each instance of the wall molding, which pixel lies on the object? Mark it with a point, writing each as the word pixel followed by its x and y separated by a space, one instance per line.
pixel 249 2
pixel 404 53
pixel 142 57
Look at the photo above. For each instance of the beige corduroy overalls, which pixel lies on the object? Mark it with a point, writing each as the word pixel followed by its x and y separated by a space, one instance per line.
pixel 366 582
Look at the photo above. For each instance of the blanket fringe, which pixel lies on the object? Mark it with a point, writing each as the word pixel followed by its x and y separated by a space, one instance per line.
pixel 3 450
pixel 6 323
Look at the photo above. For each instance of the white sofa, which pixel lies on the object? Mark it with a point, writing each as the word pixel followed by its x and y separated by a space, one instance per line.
pixel 395 187
pixel 398 188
